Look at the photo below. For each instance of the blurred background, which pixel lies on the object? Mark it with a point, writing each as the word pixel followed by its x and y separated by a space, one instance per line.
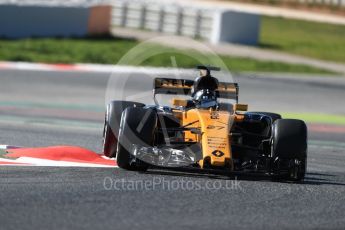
pixel 267 36
pixel 287 55
pixel 296 42
pixel 60 64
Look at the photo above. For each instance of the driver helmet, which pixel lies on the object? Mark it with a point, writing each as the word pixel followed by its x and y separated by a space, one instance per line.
pixel 205 98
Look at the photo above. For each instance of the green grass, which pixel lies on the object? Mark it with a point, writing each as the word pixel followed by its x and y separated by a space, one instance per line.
pixel 64 50
pixel 316 40
pixel 3 154
pixel 295 4
pixel 111 51
pixel 317 118
pixel 312 39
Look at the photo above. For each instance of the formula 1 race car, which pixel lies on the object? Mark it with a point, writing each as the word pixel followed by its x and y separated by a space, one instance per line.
pixel 204 132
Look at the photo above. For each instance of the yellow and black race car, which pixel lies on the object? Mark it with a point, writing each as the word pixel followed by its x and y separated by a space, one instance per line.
pixel 203 132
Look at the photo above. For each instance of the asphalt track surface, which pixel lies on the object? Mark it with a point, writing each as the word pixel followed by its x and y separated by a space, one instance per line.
pixel 37 110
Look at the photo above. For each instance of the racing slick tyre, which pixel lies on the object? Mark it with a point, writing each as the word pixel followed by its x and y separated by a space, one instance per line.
pixel 289 149
pixel 112 124
pixel 137 127
pixel 273 116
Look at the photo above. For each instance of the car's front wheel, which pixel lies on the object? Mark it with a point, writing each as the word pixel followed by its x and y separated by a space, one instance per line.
pixel 112 124
pixel 137 127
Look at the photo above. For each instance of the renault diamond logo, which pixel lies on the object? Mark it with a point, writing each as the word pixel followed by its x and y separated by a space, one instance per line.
pixel 217 153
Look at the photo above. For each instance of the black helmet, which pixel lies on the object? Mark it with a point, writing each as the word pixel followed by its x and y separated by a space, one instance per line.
pixel 205 98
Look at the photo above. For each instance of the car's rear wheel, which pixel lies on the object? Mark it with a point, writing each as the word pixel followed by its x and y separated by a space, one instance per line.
pixel 137 127
pixel 112 124
pixel 289 149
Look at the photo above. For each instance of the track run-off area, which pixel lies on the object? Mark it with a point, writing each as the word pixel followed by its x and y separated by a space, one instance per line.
pixel 64 190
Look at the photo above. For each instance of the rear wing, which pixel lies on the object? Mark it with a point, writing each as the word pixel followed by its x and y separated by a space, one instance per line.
pixel 184 87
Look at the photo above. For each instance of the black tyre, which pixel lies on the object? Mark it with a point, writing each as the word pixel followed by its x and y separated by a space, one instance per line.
pixel 137 128
pixel 273 116
pixel 289 149
pixel 112 125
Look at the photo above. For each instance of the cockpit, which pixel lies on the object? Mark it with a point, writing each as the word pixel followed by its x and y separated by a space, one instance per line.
pixel 204 89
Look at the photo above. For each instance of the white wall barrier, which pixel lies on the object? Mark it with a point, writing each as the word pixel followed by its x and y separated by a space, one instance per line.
pixel 209 24
pixel 27 21
pixel 236 27
pixel 215 25
pixel 18 21
pixel 339 3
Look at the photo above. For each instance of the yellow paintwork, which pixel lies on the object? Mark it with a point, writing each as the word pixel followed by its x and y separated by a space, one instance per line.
pixel 214 137
pixel 179 102
pixel 241 107
pixel 209 127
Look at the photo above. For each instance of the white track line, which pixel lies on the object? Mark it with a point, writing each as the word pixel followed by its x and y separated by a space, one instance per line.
pixel 30 161
pixel 44 162
pixel 83 68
